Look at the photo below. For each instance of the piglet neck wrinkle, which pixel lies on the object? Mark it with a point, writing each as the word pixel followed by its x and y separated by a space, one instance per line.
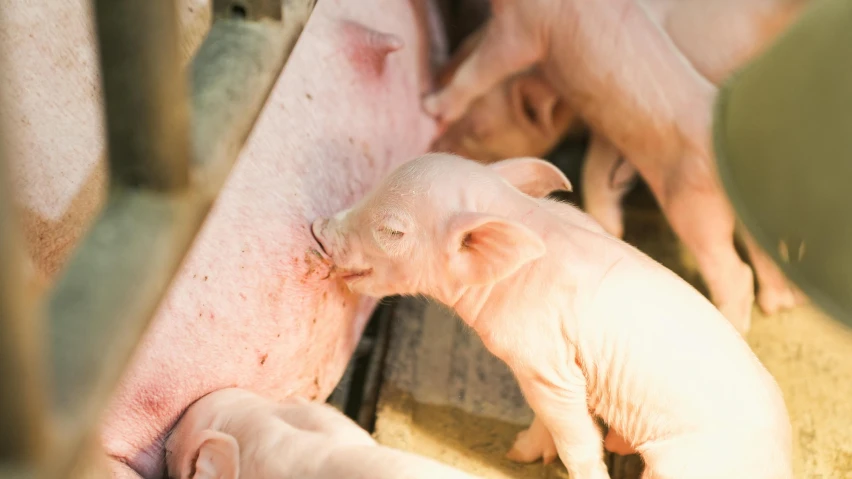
pixel 469 302
pixel 476 305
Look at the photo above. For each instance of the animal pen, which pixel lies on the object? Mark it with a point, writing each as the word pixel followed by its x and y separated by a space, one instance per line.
pixel 418 380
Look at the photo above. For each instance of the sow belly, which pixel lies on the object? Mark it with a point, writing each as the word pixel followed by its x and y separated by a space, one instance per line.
pixel 252 306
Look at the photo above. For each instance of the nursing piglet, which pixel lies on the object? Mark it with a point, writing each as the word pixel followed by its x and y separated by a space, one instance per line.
pixel 589 325
pixel 235 433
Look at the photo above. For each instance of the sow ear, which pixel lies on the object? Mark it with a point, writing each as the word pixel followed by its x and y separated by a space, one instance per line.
pixel 216 455
pixel 485 249
pixel 535 177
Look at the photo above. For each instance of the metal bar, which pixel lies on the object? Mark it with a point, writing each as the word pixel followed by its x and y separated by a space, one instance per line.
pixel 148 150
pixel 233 73
pixel 113 284
pixel 22 396
pixel 146 107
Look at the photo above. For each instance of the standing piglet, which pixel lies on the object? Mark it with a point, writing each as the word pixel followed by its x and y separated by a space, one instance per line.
pixel 588 324
pixel 628 81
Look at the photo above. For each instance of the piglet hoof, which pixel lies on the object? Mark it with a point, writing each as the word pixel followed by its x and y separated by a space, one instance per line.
pixel 530 447
pixel 443 107
pixel 775 299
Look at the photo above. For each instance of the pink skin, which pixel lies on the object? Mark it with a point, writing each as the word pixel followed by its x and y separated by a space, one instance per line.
pixel 233 433
pixel 589 325
pixel 251 306
pixel 639 91
pixel 717 38
pixel 522 116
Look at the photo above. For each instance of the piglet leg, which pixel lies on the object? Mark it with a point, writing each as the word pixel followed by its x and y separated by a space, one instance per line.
pixel 606 178
pixel 532 444
pixel 774 292
pixel 536 443
pixel 699 213
pixel 614 443
pixel 505 48
pixel 563 408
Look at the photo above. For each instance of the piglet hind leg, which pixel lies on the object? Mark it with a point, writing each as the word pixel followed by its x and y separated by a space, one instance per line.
pixel 774 292
pixel 700 215
pixel 506 48
pixel 606 178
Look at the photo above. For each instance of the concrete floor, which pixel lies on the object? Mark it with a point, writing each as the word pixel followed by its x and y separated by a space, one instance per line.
pixel 444 396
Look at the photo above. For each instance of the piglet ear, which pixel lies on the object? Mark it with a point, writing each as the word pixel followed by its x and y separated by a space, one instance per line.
pixel 216 456
pixel 535 177
pixel 485 249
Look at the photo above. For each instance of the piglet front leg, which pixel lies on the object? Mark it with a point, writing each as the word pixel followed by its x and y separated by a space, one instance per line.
pixel 536 443
pixel 508 46
pixel 774 293
pixel 533 444
pixel 606 179
pixel 563 411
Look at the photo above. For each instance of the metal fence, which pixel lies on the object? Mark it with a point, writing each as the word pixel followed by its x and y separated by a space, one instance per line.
pixel 171 142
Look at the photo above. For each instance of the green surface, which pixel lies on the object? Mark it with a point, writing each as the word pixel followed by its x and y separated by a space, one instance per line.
pixel 783 140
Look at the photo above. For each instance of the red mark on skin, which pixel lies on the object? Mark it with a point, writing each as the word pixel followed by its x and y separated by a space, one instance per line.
pixel 152 404
pixel 316 263
pixel 311 265
pixel 367 48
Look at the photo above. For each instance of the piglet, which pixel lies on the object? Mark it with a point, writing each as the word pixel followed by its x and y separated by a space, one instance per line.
pixel 630 84
pixel 589 325
pixel 235 433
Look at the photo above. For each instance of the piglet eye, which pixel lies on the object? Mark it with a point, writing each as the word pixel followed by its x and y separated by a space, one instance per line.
pixel 391 232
